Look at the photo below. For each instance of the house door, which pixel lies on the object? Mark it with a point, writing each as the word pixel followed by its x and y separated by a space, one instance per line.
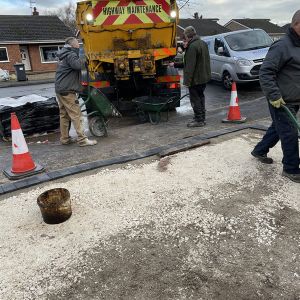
pixel 25 57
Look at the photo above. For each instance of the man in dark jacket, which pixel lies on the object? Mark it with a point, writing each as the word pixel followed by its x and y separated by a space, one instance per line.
pixel 67 85
pixel 280 82
pixel 196 74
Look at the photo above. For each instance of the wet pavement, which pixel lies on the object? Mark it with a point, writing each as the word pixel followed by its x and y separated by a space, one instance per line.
pixel 216 96
pixel 45 90
pixel 127 135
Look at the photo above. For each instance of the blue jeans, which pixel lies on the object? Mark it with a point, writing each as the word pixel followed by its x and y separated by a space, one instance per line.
pixel 282 129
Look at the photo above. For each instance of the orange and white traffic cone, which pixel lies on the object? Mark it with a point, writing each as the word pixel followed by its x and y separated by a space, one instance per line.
pixel 22 162
pixel 234 114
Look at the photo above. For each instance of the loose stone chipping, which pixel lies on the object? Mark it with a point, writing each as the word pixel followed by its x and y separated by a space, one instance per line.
pixel 211 207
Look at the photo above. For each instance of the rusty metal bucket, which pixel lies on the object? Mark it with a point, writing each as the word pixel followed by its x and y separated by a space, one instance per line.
pixel 55 206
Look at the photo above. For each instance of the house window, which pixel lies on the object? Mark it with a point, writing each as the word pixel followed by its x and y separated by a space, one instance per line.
pixel 3 54
pixel 49 53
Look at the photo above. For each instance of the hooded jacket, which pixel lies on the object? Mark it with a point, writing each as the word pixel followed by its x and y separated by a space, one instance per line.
pixel 68 73
pixel 196 63
pixel 280 72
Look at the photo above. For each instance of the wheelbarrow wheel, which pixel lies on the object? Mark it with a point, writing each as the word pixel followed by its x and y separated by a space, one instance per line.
pixel 154 117
pixel 97 126
pixel 142 116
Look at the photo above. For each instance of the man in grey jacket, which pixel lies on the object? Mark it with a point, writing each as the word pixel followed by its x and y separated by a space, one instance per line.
pixel 67 85
pixel 280 82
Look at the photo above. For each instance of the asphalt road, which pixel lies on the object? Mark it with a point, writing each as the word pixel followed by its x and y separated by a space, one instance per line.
pixel 127 135
pixel 216 96
pixel 45 90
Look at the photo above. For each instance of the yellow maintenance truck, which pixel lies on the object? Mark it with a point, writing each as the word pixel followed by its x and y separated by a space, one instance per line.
pixel 129 46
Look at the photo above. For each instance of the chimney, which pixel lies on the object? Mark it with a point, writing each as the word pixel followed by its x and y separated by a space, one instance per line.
pixel 35 12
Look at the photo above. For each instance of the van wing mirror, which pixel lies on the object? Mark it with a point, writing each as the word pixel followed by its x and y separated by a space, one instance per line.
pixel 221 50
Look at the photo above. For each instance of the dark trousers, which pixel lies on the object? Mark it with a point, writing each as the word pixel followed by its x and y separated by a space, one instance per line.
pixel 282 129
pixel 197 99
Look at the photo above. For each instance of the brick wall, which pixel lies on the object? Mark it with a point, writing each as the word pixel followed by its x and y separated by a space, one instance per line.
pixel 14 56
pixel 36 62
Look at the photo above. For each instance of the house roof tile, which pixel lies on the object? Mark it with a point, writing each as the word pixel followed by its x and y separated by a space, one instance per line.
pixel 204 27
pixel 31 28
pixel 264 24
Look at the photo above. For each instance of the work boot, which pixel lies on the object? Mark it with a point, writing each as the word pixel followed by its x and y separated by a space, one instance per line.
pixel 262 158
pixel 87 142
pixel 196 123
pixel 294 177
pixel 69 141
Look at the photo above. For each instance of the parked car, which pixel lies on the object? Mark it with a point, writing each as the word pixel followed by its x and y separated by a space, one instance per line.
pixel 238 55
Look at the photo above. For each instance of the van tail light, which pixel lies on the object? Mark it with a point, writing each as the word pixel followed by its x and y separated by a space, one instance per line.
pixel 84 83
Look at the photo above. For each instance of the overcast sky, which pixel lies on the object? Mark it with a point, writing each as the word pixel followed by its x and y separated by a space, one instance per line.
pixel 279 11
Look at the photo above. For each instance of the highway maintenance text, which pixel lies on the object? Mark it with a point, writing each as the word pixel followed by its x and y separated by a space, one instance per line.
pixel 138 9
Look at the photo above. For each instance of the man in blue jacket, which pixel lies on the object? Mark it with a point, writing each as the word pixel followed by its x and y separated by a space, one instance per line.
pixel 67 85
pixel 280 82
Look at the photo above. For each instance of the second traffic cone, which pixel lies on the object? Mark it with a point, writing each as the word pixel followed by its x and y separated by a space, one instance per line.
pixel 22 164
pixel 234 114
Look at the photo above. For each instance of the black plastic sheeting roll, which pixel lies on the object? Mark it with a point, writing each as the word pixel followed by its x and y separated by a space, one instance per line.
pixel 37 117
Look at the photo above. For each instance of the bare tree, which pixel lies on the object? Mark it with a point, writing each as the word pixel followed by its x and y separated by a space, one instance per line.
pixel 182 3
pixel 67 14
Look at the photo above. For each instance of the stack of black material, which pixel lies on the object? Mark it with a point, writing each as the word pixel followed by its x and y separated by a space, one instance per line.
pixel 37 117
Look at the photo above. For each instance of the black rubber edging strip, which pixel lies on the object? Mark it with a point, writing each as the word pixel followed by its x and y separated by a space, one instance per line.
pixel 74 170
pixel 259 127
pixel 263 128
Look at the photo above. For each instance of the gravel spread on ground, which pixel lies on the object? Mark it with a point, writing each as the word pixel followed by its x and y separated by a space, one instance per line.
pixel 219 190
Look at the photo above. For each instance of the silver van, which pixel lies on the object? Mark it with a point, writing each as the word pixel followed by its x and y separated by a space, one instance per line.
pixel 237 55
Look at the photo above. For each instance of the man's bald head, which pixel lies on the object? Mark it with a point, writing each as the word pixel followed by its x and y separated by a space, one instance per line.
pixel 72 41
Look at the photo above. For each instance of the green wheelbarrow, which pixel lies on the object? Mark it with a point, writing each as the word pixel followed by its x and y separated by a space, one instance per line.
pixel 99 109
pixel 152 107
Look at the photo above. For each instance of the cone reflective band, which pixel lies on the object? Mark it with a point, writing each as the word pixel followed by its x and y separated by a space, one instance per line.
pixel 128 12
pixel 22 161
pixel 234 114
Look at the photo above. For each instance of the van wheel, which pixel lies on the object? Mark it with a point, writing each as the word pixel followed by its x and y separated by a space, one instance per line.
pixel 227 80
